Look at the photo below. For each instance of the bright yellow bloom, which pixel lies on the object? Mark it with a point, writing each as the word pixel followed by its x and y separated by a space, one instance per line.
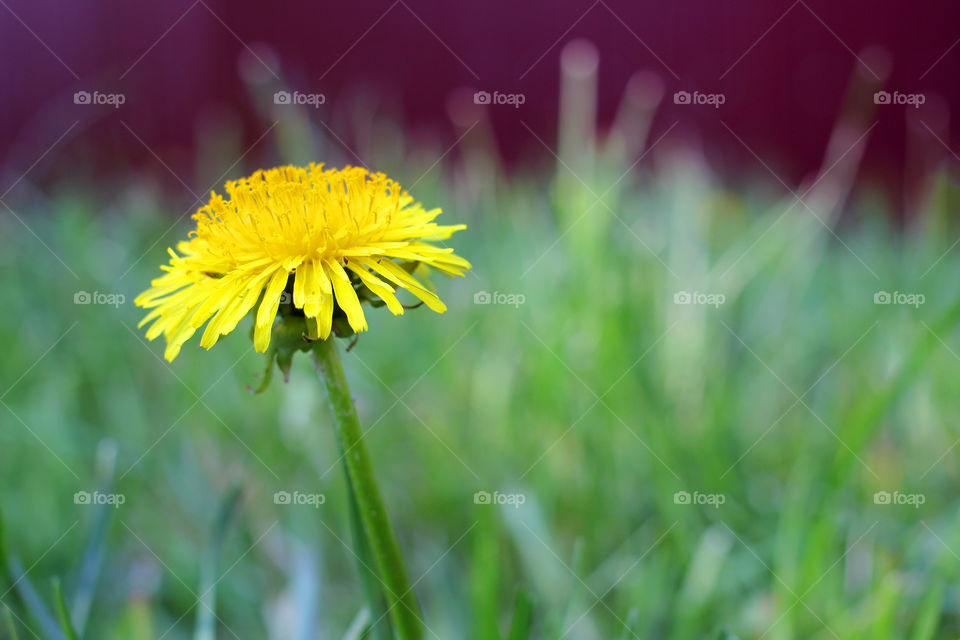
pixel 321 234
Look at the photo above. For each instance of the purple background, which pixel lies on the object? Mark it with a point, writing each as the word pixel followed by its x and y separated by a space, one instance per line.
pixel 783 96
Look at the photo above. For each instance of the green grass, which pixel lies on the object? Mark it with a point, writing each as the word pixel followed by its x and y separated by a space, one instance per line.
pixel 597 399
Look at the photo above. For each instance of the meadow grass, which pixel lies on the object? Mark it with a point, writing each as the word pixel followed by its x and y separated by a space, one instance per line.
pixel 591 399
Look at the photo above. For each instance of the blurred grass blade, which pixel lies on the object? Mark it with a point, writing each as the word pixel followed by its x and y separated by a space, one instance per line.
pixel 136 622
pixel 576 140
pixel 885 608
pixel 702 579
pixel 929 614
pixel 305 589
pixel 33 602
pixel 4 558
pixel 522 624
pixel 206 613
pixel 632 616
pixel 11 625
pixel 485 579
pixel 295 136
pixel 867 416
pixel 18 582
pixel 573 582
pixel 360 626
pixel 62 614
pixel 96 545
pixel 705 568
pixel 531 537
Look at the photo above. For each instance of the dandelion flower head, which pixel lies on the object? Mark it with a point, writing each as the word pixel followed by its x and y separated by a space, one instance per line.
pixel 320 236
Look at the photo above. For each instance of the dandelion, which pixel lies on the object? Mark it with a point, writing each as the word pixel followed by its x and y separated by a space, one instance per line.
pixel 328 238
pixel 311 245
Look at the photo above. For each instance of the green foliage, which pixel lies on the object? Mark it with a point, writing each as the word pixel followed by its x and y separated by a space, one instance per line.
pixel 593 395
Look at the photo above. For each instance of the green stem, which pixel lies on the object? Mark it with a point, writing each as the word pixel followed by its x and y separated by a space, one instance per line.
pixel 379 618
pixel 404 610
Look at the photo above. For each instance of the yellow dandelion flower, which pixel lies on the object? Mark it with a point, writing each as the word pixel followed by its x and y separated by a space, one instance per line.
pixel 320 235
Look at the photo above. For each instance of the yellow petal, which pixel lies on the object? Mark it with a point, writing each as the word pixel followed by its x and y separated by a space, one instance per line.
pixel 325 316
pixel 268 310
pixel 346 296
pixel 299 284
pixel 394 273
pixel 379 288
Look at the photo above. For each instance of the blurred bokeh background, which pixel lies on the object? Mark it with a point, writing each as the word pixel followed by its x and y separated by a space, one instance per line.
pixel 784 67
pixel 702 381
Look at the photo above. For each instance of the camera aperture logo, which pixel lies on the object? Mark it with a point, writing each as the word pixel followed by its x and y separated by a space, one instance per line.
pixel 898 297
pixel 910 99
pixel 697 98
pixel 511 299
pixel 898 498
pixel 98 497
pixel 97 98
pixel 485 97
pixel 696 297
pixel 99 297
pixel 511 499
pixel 299 498
pixel 298 98
pixel 712 499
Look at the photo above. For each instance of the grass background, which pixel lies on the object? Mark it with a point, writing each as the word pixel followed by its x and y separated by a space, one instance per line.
pixel 596 399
